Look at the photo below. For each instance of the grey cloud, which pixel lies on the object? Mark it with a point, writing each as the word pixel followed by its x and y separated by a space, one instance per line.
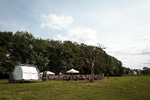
pixel 148 63
pixel 145 53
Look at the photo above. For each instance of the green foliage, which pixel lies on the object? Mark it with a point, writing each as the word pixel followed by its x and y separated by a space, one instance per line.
pixel 57 56
pixel 6 40
pixel 146 70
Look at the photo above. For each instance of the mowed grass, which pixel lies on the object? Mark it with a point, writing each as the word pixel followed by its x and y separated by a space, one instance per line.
pixel 116 88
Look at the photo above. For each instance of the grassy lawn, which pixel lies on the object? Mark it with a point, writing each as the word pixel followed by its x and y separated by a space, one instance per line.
pixel 116 88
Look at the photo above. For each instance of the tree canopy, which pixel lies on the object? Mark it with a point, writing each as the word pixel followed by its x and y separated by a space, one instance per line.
pixel 57 56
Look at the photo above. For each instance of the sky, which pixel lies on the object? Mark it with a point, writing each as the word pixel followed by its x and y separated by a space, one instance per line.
pixel 123 26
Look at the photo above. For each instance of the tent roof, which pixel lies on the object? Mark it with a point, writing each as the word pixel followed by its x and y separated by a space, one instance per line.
pixel 72 71
pixel 27 69
pixel 48 72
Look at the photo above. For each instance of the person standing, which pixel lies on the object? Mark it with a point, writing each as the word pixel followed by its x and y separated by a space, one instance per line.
pixel 107 76
pixel 76 77
pixel 67 77
pixel 44 77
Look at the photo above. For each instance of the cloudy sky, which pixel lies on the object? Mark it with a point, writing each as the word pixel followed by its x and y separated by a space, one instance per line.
pixel 123 26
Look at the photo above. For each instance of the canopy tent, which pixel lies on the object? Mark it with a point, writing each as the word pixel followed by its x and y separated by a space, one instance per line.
pixel 48 73
pixel 72 71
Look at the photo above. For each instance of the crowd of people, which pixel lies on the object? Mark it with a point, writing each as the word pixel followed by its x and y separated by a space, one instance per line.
pixel 74 77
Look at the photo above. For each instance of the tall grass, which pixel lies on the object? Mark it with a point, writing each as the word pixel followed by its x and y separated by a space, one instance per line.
pixel 115 88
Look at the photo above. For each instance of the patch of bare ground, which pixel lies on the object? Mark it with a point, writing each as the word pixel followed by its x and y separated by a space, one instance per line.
pixel 58 92
pixel 86 83
pixel 89 83
pixel 96 82
pixel 107 80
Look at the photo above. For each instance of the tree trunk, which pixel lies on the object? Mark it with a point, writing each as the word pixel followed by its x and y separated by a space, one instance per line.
pixel 92 75
pixel 92 72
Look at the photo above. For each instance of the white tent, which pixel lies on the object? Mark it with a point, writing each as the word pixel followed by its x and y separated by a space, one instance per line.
pixel 48 73
pixel 72 71
pixel 25 72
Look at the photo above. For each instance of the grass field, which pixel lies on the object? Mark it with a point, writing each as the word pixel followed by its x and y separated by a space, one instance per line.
pixel 116 88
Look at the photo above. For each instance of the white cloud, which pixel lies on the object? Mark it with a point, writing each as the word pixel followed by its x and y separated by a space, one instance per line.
pixel 60 37
pixel 134 55
pixel 56 22
pixel 80 35
pixel 84 35
pixel 130 19
pixel 146 38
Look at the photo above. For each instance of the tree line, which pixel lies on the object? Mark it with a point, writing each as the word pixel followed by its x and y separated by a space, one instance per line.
pixel 145 70
pixel 56 56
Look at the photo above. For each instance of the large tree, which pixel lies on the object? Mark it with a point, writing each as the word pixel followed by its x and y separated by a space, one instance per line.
pixel 93 56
